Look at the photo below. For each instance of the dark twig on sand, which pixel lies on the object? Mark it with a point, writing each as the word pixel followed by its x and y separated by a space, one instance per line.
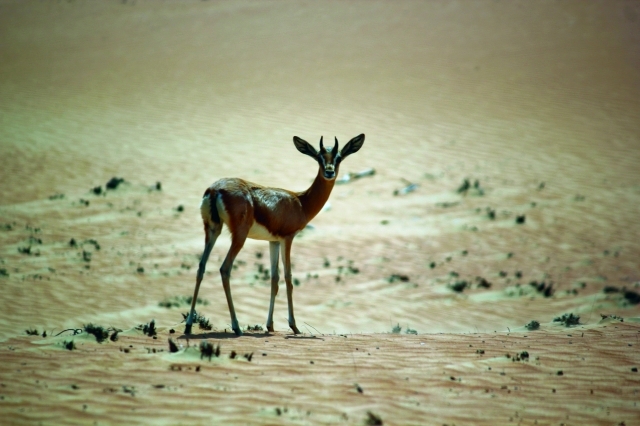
pixel 349 177
pixel 407 189
pixel 75 331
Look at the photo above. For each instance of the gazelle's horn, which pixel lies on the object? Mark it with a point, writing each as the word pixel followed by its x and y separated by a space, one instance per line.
pixel 321 146
pixel 335 147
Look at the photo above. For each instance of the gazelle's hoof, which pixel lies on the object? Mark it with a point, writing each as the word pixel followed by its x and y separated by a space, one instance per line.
pixel 187 329
pixel 295 329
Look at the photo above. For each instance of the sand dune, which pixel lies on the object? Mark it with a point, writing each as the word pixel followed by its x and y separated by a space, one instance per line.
pixel 537 102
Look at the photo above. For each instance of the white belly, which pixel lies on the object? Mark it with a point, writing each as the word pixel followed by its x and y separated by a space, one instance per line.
pixel 259 232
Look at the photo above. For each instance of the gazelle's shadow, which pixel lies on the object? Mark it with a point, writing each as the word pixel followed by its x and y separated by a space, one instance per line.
pixel 302 337
pixel 219 335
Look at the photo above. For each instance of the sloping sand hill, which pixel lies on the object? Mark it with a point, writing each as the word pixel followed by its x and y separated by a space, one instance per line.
pixel 413 304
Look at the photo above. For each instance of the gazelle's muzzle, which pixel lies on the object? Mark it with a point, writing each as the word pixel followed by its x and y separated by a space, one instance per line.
pixel 329 171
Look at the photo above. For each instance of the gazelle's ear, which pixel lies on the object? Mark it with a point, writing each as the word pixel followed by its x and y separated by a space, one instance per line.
pixel 305 147
pixel 352 146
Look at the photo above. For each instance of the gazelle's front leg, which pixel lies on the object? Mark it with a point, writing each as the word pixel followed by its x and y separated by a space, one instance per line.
pixel 286 261
pixel 274 251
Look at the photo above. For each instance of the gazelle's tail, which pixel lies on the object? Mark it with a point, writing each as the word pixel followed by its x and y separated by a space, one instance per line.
pixel 209 210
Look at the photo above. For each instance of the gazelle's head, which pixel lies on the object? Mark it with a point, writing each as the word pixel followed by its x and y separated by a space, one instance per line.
pixel 329 159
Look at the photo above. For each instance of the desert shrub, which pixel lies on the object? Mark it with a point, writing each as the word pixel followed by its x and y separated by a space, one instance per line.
pixel 150 329
pixel 208 350
pixel 202 322
pixel 98 331
pixel 568 319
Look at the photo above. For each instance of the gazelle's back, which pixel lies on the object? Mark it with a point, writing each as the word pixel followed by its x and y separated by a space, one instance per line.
pixel 265 213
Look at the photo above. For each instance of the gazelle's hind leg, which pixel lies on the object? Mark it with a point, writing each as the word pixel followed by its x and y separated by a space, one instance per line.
pixel 286 261
pixel 237 241
pixel 212 232
pixel 274 251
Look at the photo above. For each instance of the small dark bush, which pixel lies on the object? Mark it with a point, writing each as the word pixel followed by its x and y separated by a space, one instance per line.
pixel 24 250
pixel 464 187
pixel 150 329
pixel 208 350
pixel 533 325
pixel 99 332
pixel 398 277
pixel 202 322
pixel 114 182
pixel 483 282
pixel 632 297
pixel 568 319
pixel 459 286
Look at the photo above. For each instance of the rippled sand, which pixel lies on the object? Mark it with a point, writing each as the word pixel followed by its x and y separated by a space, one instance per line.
pixel 536 101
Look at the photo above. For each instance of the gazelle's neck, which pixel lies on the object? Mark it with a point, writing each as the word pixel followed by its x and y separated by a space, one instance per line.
pixel 314 198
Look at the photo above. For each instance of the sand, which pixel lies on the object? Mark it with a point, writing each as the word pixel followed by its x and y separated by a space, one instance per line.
pixel 412 306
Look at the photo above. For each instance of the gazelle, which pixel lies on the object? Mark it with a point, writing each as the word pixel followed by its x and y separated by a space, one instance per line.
pixel 272 214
